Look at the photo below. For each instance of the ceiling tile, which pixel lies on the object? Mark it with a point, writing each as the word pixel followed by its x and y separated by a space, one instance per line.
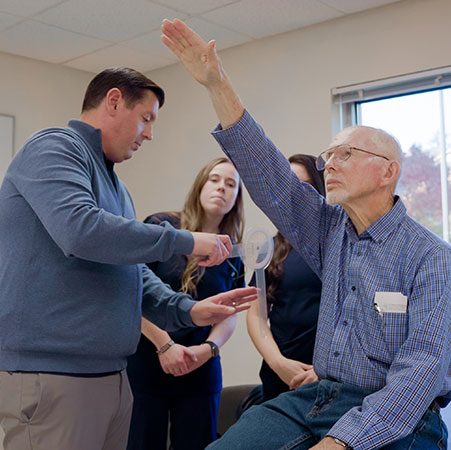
pixel 352 6
pixel 150 43
pixel 6 20
pixel 194 6
pixel 40 41
pixel 118 56
pixel 224 38
pixel 26 8
pixel 260 18
pixel 75 31
pixel 113 20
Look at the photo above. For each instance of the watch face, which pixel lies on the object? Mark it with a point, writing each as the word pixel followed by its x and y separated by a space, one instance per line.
pixel 214 349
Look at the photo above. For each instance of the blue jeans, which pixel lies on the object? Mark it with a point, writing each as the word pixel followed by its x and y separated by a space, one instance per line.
pixel 297 420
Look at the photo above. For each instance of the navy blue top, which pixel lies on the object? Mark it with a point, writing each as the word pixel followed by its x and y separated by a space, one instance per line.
pixel 293 317
pixel 144 367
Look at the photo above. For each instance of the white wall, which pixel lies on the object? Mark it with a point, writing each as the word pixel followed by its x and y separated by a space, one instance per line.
pixel 39 94
pixel 285 82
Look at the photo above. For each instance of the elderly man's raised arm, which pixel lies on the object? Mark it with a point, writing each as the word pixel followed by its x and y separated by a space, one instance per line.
pixel 202 62
pixel 264 170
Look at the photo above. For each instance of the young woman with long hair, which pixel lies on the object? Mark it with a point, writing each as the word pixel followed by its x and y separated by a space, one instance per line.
pixel 293 295
pixel 176 377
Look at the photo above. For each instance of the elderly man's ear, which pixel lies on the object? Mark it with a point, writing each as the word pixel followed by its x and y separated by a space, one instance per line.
pixel 391 173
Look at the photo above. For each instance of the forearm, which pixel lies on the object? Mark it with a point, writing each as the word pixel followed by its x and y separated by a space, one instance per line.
pixel 156 335
pixel 165 308
pixel 103 237
pixel 222 331
pixel 264 342
pixel 226 102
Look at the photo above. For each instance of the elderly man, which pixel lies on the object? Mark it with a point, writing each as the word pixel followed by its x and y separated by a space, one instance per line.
pixel 383 347
pixel 73 277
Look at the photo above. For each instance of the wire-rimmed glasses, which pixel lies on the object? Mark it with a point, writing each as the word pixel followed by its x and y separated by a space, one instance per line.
pixel 341 153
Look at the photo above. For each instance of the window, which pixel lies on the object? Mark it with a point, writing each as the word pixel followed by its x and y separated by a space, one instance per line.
pixel 413 108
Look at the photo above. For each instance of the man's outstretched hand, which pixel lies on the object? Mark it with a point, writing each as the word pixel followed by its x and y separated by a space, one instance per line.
pixel 219 307
pixel 202 62
pixel 198 56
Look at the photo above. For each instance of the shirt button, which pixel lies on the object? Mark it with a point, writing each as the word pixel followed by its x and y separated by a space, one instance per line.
pixel 345 323
pixel 336 354
pixel 353 288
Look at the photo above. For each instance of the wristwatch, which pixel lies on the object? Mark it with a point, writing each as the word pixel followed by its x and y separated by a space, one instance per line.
pixel 340 442
pixel 214 348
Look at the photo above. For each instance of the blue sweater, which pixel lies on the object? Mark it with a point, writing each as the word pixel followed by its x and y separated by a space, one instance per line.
pixel 72 277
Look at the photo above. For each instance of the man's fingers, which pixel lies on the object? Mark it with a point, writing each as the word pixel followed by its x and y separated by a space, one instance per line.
pixel 238 293
pixel 184 33
pixel 240 308
pixel 247 298
pixel 239 296
pixel 205 263
pixel 172 38
pixel 173 46
pixel 189 36
pixel 177 31
pixel 226 245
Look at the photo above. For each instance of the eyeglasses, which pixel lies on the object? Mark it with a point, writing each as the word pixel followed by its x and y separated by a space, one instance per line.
pixel 341 153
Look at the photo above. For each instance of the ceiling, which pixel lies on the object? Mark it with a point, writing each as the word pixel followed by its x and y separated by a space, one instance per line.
pixel 92 35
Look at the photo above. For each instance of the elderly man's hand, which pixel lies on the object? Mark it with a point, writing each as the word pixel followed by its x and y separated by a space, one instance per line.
pixel 198 57
pixel 327 443
pixel 202 62
pixel 219 307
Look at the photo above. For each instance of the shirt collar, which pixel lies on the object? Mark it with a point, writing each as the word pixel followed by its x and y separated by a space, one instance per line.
pixel 93 136
pixel 383 227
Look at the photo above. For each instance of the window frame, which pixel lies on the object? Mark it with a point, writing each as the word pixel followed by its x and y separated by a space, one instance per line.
pixel 348 100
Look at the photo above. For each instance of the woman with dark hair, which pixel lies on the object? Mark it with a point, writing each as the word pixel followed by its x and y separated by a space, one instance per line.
pixel 293 295
pixel 177 377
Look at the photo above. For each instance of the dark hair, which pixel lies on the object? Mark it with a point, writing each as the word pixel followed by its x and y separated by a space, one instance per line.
pixel 274 272
pixel 308 161
pixel 131 83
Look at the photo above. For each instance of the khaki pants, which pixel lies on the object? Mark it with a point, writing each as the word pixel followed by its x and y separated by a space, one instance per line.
pixel 40 411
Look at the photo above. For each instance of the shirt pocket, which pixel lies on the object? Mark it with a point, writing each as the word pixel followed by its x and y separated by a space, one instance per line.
pixel 395 328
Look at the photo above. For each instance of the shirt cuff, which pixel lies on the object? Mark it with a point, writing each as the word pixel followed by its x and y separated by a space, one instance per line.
pixel 184 242
pixel 184 307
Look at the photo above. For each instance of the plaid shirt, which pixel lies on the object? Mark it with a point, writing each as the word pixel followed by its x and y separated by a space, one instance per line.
pixel 403 357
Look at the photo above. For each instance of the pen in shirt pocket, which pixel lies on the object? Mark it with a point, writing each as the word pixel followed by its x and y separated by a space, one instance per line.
pixel 378 310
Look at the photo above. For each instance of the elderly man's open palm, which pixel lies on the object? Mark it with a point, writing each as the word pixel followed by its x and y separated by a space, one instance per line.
pixel 204 65
pixel 199 57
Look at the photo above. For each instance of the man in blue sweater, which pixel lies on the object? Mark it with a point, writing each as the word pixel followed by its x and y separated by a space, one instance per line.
pixel 73 280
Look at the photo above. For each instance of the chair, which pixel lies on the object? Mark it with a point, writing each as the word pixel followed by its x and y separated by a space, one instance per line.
pixel 234 401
